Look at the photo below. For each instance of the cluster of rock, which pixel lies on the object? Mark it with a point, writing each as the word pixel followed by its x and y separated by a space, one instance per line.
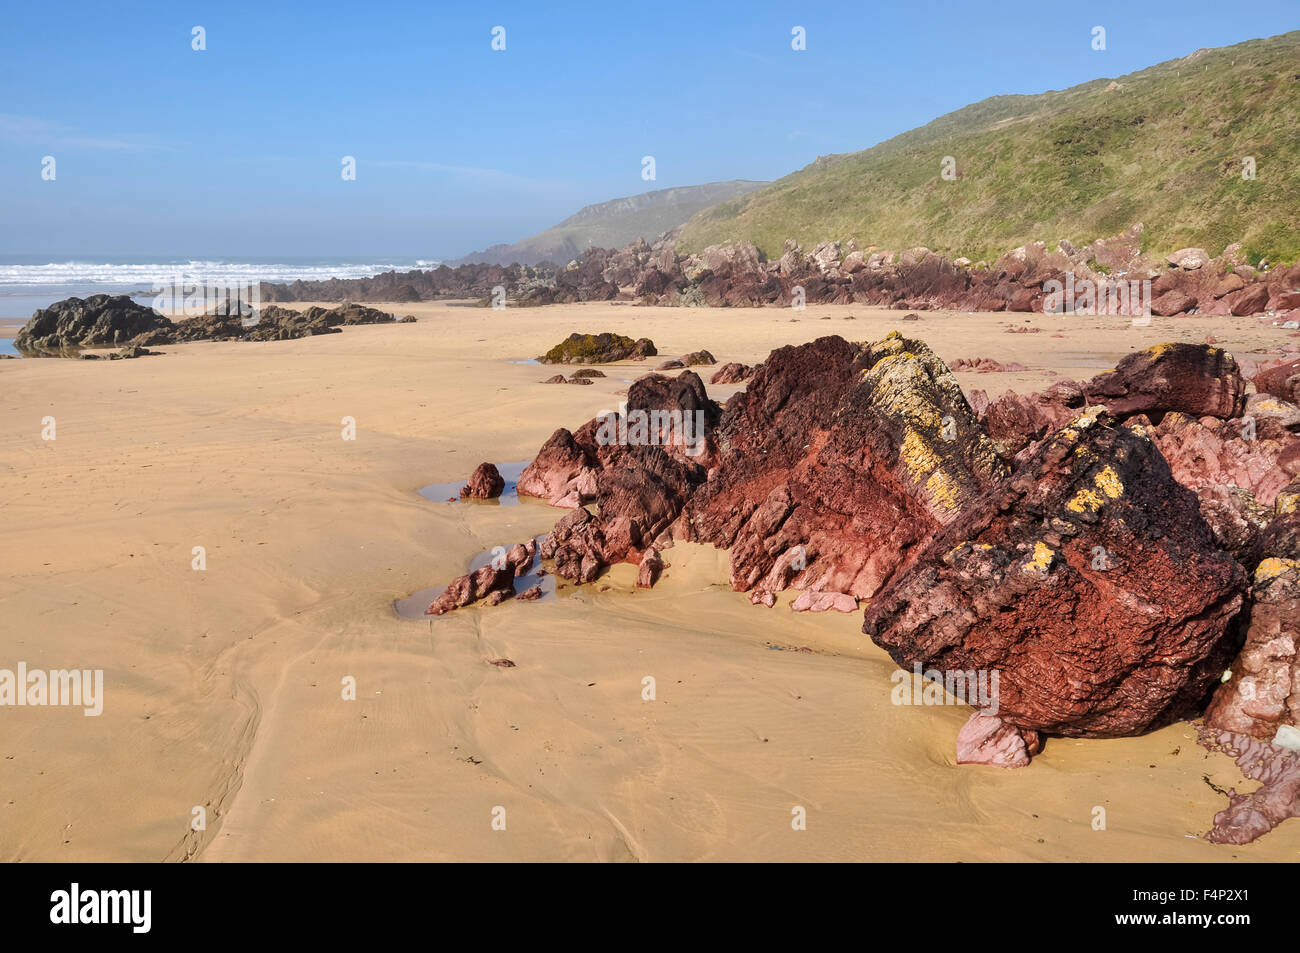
pixel 1094 544
pixel 1190 281
pixel 493 583
pixel 117 320
pixel 475 281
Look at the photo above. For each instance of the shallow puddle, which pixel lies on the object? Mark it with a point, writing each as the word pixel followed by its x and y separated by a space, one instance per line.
pixel 450 492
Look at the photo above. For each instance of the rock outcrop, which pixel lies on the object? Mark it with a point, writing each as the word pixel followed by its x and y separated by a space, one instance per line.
pixel 1088 580
pixel 98 321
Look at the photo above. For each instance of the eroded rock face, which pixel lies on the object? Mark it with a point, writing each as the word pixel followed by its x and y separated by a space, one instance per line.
pixel 485 483
pixel 1263 692
pixel 98 321
pixel 1089 580
pixel 834 465
pixel 1191 378
pixel 563 472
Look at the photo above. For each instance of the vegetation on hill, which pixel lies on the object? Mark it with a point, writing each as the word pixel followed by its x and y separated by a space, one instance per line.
pixel 1163 146
pixel 612 224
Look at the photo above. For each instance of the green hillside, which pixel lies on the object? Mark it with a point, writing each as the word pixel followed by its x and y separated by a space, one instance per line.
pixel 613 224
pixel 1162 146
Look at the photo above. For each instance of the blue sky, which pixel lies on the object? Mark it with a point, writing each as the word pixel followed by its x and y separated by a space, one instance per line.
pixel 236 151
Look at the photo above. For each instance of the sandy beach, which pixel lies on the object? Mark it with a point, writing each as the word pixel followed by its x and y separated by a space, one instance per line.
pixel 223 686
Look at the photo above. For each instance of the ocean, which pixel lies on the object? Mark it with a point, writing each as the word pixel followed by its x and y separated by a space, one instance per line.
pixel 30 282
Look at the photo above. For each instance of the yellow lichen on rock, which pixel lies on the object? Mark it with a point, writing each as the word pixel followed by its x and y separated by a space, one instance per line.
pixel 1042 558
pixel 1085 501
pixel 1272 567
pixel 1109 483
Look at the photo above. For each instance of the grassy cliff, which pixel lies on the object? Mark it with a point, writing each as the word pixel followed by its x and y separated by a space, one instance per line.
pixel 1163 146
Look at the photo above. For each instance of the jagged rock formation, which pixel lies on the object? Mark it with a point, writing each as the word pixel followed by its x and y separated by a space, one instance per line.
pixel 1097 278
pixel 97 321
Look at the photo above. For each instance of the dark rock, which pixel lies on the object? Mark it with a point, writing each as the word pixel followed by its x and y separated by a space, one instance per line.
pixel 1191 378
pixel 98 321
pixel 598 349
pixel 732 373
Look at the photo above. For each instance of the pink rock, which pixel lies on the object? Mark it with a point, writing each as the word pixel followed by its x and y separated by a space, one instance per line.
pixel 649 569
pixel 1249 816
pixel 810 601
pixel 987 739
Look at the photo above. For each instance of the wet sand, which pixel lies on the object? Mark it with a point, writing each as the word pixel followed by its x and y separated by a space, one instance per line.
pixel 224 686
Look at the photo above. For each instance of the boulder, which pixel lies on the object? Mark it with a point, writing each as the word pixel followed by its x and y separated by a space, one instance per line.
pixel 1189 259
pixel 732 373
pixel 1252 299
pixel 1191 378
pixel 1088 580
pixel 98 321
pixel 600 348
pixel 485 483
pixel 987 739
pixel 836 462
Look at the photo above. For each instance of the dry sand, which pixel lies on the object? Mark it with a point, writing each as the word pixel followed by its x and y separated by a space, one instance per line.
pixel 224 686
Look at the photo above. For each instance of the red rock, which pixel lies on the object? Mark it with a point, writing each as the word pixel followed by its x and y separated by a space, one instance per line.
pixel 732 373
pixel 1285 301
pixel 561 469
pixel 833 466
pixel 986 739
pixel 1210 452
pixel 1084 647
pixel 1252 299
pixel 697 358
pixel 472 587
pixel 984 365
pixel 531 594
pixel 1197 380
pixel 1015 421
pixel 649 569
pixel 1228 284
pixel 1173 302
pixel 1278 380
pixel 485 483
pixel 1263 692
